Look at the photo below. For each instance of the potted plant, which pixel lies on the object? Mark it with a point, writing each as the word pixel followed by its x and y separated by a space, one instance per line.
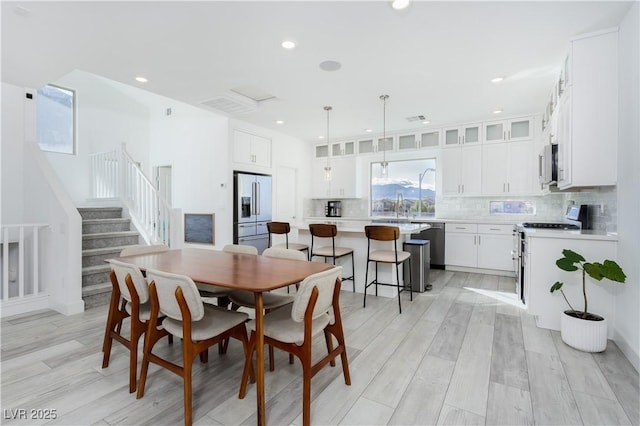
pixel 585 330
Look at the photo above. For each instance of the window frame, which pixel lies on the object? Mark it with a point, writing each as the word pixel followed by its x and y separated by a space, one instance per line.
pixel 74 145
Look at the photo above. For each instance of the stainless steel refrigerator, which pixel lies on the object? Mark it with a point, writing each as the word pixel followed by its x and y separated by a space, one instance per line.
pixel 251 209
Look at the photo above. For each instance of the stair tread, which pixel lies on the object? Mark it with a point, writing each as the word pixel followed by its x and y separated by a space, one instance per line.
pixel 106 220
pixel 103 250
pixel 87 270
pixel 96 289
pixel 109 234
pixel 88 209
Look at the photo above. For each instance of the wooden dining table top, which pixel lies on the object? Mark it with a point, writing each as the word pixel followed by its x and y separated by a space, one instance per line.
pixel 233 270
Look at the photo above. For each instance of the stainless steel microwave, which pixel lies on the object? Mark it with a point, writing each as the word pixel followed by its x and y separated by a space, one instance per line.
pixel 548 164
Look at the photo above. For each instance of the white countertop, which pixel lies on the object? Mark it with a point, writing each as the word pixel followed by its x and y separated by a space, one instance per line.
pixel 496 221
pixel 573 235
pixel 357 224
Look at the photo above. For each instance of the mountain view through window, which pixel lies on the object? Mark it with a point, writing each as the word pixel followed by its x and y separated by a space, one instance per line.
pixel 408 190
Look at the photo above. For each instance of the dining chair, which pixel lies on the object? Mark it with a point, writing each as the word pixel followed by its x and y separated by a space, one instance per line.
pixel 270 300
pixel 315 310
pixel 283 228
pixel 327 230
pixel 240 248
pixel 198 324
pixel 395 257
pixel 129 285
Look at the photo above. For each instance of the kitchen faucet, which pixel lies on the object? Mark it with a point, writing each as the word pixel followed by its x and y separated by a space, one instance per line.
pixel 400 206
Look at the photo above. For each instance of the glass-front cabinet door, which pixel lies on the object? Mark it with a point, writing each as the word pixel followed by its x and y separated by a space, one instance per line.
pixel 520 129
pixel 430 139
pixel 365 146
pixel 322 151
pixel 468 134
pixel 343 148
pixel 452 136
pixel 495 132
pixel 407 142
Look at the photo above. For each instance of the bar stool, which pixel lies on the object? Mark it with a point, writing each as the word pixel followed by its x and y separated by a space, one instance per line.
pixel 386 233
pixel 283 228
pixel 324 230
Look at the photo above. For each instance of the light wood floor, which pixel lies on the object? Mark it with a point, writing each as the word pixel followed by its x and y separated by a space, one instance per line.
pixel 454 356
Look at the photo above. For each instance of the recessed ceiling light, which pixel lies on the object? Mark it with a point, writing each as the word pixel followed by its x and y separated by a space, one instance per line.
pixel 497 79
pixel 426 122
pixel 497 111
pixel 368 130
pixel 320 137
pixel 330 65
pixel 288 44
pixel 279 122
pixel 400 4
pixel 141 79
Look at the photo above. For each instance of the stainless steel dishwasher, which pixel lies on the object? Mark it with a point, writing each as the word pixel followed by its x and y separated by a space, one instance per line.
pixel 436 235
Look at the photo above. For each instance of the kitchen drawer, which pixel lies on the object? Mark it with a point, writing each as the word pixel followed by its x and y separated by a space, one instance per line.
pixel 495 229
pixel 469 228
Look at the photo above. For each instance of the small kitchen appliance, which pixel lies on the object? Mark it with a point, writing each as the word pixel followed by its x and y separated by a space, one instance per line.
pixel 333 209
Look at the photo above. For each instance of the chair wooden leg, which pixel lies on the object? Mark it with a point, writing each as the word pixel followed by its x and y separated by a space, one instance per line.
pixel 272 365
pixel 187 360
pixel 248 365
pixel 137 330
pixel 123 303
pixel 366 283
pixel 398 287
pixel 306 388
pixel 353 273
pixel 327 338
pixel 115 317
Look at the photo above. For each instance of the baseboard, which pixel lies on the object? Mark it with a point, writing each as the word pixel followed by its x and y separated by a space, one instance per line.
pixel 480 271
pixel 627 350
pixel 70 308
pixel 25 305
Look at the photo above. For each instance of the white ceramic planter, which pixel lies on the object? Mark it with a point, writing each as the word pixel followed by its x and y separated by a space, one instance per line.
pixel 584 335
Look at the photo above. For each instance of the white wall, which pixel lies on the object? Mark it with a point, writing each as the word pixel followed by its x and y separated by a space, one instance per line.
pixel 32 193
pixel 627 323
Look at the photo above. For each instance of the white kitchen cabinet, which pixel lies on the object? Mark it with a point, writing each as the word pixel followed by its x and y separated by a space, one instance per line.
pixel 479 246
pixel 339 149
pixel 541 272
pixel 407 142
pixel 495 243
pixel 343 178
pixel 321 151
pixel 588 113
pixel 461 170
pixel 251 149
pixel 508 168
pixel 430 139
pixel 460 246
pixel 518 129
pixel 466 134
pixel 366 146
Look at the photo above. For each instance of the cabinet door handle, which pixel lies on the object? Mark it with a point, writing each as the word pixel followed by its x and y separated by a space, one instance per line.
pixel 463 188
pixel 508 187
pixel 509 134
pixel 504 135
pixel 462 137
pixel 474 240
pixel 478 239
pixel 503 187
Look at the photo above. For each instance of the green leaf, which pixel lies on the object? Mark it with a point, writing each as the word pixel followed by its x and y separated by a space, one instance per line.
pixel 566 264
pixel 613 271
pixel 556 286
pixel 572 256
pixel 594 270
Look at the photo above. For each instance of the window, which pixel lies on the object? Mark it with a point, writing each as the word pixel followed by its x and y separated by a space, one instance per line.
pixel 55 118
pixel 408 190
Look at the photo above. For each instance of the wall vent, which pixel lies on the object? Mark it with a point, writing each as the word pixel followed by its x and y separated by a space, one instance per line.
pixel 416 118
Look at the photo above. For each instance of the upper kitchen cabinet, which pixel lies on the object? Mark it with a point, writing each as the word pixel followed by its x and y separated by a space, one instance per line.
pixel 519 129
pixel 462 170
pixel 343 183
pixel 421 140
pixel 339 149
pixel 588 112
pixel 373 145
pixel 321 151
pixel 366 146
pixel 467 134
pixel 251 149
pixel 508 168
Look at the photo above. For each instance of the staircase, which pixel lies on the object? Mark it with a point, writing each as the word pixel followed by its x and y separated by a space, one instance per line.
pixel 104 234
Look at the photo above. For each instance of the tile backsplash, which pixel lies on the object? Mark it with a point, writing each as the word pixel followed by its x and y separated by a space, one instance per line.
pixel 549 208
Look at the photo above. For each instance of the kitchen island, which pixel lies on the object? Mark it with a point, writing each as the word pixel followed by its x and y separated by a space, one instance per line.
pixel 351 234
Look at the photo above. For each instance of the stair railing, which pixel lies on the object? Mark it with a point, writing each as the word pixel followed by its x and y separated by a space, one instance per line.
pixel 116 174
pixel 20 261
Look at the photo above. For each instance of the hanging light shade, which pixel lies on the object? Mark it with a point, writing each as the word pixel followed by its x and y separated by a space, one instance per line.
pixel 384 171
pixel 327 168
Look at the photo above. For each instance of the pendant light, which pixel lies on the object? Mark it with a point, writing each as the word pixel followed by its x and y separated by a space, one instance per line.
pixel 384 171
pixel 327 169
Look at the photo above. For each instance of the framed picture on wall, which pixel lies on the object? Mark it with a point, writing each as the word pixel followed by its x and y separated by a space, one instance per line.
pixel 199 228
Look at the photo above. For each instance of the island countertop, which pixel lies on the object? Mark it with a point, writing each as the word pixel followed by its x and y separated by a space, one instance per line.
pixel 357 226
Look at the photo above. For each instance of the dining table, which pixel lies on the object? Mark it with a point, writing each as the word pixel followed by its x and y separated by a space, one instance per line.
pixel 235 271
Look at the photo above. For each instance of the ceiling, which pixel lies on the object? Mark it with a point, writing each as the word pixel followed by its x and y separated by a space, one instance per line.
pixel 434 59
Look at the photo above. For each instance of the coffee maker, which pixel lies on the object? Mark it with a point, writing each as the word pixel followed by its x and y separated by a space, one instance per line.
pixel 333 209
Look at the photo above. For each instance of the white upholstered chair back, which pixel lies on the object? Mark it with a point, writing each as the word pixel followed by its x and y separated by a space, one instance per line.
pixel 284 253
pixel 325 282
pixel 237 248
pixel 122 269
pixel 143 249
pixel 166 286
